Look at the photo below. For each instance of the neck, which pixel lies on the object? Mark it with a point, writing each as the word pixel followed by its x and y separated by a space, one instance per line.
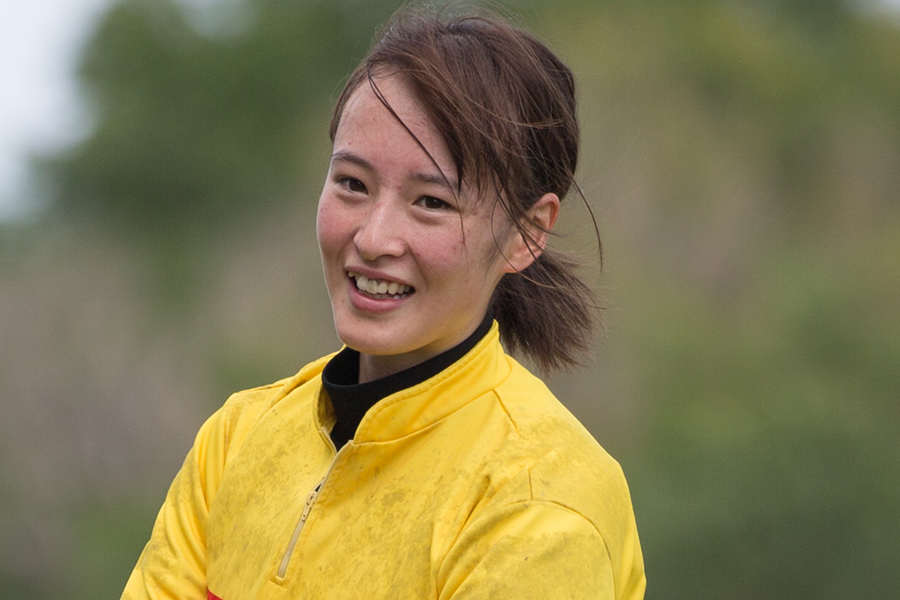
pixel 373 367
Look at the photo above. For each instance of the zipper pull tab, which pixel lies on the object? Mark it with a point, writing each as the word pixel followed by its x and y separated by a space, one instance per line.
pixel 310 500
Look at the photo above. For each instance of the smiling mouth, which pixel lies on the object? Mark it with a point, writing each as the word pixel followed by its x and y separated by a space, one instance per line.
pixel 380 288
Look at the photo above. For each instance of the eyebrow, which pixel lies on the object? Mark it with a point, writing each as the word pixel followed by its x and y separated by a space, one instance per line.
pixel 441 180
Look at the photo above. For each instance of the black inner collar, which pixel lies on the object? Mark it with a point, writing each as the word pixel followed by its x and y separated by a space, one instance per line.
pixel 352 399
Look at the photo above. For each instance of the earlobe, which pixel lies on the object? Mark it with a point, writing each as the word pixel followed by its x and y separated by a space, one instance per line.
pixel 541 219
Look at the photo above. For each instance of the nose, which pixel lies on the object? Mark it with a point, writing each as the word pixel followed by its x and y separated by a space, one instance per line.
pixel 380 233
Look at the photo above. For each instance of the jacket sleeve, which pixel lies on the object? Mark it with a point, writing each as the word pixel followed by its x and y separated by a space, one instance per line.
pixel 173 563
pixel 529 549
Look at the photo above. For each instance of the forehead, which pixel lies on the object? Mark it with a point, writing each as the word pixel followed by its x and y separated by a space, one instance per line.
pixel 395 120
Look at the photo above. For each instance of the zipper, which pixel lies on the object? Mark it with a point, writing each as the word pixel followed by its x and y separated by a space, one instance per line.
pixel 307 508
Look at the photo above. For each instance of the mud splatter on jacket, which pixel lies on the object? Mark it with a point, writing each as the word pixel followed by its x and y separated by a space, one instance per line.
pixel 476 483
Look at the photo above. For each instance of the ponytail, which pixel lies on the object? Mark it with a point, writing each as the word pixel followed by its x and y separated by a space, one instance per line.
pixel 546 312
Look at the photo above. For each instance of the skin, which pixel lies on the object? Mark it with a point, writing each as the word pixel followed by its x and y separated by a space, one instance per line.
pixel 387 213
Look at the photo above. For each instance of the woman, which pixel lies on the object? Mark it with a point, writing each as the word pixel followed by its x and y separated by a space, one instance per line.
pixel 420 461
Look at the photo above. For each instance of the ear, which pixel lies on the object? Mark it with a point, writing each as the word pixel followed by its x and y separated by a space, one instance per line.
pixel 539 222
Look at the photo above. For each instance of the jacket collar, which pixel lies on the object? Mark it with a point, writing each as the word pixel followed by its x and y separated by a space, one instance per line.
pixel 415 408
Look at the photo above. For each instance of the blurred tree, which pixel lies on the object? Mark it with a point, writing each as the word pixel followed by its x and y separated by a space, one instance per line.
pixel 193 130
pixel 772 464
pixel 196 129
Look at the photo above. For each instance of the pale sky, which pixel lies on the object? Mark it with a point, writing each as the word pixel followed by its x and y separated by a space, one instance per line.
pixel 39 108
pixel 39 104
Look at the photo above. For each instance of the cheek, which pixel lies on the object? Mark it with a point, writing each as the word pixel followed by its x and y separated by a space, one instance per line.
pixel 454 262
pixel 331 227
pixel 440 252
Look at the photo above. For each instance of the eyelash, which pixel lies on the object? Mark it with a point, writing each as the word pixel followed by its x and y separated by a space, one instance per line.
pixel 442 205
pixel 350 183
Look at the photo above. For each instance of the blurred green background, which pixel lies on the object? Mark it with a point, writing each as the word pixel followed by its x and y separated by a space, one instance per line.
pixel 742 156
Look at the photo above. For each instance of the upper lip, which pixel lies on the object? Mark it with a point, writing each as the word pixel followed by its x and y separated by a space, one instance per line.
pixel 378 275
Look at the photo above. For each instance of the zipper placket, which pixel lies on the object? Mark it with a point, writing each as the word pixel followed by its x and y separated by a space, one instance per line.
pixel 307 508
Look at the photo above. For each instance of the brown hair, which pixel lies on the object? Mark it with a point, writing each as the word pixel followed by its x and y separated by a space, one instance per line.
pixel 505 105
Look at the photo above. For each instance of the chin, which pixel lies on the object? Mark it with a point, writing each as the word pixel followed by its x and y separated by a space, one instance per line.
pixel 367 337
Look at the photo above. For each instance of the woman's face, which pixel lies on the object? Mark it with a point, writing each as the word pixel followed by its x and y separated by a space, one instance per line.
pixel 410 266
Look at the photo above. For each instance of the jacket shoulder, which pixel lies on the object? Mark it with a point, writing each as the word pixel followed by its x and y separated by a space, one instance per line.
pixel 566 464
pixel 243 409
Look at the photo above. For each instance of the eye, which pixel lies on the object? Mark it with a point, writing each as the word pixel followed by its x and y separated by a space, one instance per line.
pixel 432 203
pixel 352 184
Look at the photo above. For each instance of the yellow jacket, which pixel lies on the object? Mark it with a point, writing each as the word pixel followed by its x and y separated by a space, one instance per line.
pixel 476 483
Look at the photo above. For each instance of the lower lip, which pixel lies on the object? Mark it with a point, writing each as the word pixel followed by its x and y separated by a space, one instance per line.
pixel 366 303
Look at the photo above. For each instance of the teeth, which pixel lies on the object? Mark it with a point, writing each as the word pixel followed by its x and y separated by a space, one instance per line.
pixel 378 287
